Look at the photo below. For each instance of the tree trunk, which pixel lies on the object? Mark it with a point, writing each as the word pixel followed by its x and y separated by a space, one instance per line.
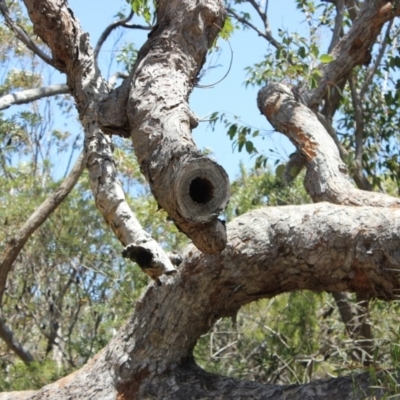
pixel 270 251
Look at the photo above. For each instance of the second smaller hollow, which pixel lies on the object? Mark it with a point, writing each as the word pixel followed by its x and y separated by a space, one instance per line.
pixel 201 190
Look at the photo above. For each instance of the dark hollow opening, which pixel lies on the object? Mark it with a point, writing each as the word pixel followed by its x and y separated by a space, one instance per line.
pixel 201 190
pixel 144 258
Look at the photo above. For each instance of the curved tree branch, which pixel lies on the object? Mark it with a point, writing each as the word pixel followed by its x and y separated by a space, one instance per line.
pixel 12 343
pixel 326 178
pixel 193 189
pixel 23 36
pixel 270 251
pixel 107 32
pixel 26 96
pixel 190 187
pixel 137 26
pixel 67 40
pixel 353 49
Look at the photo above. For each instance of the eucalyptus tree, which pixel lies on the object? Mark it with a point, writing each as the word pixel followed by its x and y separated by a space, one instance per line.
pixel 347 241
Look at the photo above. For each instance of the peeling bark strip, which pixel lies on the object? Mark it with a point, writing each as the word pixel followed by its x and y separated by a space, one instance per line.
pixel 193 189
pixel 326 178
pixel 270 251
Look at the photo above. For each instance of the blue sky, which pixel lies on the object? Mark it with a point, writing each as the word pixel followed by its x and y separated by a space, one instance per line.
pixel 228 96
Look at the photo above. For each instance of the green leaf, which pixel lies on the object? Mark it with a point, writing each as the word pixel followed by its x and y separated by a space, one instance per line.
pixel 314 50
pixel 227 29
pixel 326 58
pixel 280 169
pixel 302 52
pixel 232 131
pixel 249 147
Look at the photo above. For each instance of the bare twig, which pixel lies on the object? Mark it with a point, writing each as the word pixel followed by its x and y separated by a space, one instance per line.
pixel 260 12
pixel 359 178
pixel 264 17
pixel 23 36
pixel 226 73
pixel 353 8
pixel 108 30
pixel 26 96
pixel 373 69
pixel 338 28
pixel 266 35
pixel 137 26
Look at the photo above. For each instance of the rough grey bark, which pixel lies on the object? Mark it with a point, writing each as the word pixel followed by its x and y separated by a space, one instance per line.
pixel 269 251
pixel 159 118
pixel 326 178
pixel 193 189
pixel 72 54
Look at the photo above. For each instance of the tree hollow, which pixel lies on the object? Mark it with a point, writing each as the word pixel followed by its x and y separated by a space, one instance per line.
pixel 201 190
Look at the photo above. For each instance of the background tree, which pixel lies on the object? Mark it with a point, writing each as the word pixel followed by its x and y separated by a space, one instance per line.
pixel 68 293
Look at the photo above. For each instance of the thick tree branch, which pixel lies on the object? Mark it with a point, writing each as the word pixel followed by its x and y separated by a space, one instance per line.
pixel 15 244
pixel 270 251
pixel 326 178
pixel 111 202
pixel 55 24
pixel 26 96
pixel 193 189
